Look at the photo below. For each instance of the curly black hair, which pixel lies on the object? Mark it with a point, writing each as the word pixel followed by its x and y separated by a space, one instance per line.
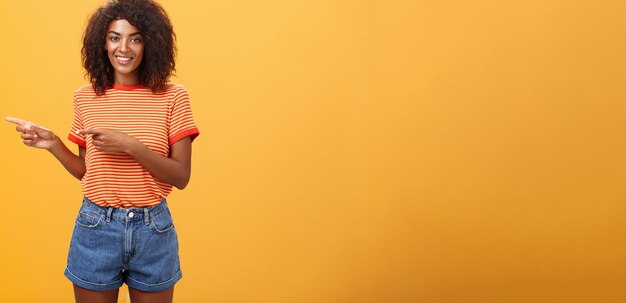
pixel 158 62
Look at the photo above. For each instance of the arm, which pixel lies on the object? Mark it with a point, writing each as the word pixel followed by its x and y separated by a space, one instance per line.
pixel 74 164
pixel 36 136
pixel 174 170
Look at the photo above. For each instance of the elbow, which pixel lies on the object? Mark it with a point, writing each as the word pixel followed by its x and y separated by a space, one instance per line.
pixel 181 185
pixel 182 182
pixel 79 175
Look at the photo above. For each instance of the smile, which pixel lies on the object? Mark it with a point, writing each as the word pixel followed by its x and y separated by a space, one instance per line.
pixel 123 60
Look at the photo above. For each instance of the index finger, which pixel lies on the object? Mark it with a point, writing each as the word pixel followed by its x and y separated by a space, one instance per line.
pixel 88 131
pixel 16 120
pixel 26 124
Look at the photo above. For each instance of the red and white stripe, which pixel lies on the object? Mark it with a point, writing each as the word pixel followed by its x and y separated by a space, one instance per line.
pixel 157 120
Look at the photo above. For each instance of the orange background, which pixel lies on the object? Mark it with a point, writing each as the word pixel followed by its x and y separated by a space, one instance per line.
pixel 354 151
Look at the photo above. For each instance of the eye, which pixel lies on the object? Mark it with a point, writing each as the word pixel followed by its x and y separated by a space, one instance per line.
pixel 136 40
pixel 114 38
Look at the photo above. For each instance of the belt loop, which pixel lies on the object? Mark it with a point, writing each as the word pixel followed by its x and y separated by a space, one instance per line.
pixel 146 216
pixel 109 212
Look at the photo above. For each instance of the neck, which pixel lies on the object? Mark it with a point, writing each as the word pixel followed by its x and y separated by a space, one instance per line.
pixel 126 80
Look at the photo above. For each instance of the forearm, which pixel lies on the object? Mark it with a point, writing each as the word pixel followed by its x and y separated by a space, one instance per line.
pixel 74 164
pixel 163 168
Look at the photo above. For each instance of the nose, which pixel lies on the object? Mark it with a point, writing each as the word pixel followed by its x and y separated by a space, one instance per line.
pixel 124 46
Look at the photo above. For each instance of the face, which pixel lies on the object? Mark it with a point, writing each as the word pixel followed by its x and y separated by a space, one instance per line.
pixel 124 46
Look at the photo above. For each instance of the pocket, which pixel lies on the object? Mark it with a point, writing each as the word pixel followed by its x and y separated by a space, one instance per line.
pixel 88 219
pixel 162 222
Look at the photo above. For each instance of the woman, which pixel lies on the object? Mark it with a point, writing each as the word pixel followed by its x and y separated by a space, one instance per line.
pixel 134 131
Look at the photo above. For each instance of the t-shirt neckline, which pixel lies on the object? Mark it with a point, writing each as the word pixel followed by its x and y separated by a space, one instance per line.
pixel 128 87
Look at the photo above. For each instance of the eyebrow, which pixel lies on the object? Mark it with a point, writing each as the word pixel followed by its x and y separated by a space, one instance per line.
pixel 135 33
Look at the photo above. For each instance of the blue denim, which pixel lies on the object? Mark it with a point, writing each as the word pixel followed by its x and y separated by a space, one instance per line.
pixel 111 246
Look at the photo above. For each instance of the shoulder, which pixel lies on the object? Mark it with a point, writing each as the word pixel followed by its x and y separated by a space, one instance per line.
pixel 85 89
pixel 83 93
pixel 175 87
pixel 177 91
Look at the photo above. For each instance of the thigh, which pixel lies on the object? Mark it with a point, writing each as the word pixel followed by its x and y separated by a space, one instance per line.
pixel 83 295
pixel 96 253
pixel 138 296
pixel 154 265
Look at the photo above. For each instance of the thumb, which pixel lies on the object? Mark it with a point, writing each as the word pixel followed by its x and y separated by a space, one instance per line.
pixel 40 130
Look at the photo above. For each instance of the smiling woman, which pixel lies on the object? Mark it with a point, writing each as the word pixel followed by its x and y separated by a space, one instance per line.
pixel 134 131
pixel 126 29
pixel 124 47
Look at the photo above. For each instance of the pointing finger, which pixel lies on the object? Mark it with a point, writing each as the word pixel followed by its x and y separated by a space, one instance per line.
pixel 16 120
pixel 26 124
pixel 89 131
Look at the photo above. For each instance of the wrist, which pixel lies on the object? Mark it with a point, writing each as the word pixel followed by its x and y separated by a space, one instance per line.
pixel 56 143
pixel 133 147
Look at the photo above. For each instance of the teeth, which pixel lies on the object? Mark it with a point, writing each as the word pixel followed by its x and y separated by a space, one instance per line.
pixel 123 58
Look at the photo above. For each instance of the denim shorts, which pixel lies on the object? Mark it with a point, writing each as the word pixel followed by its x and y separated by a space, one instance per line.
pixel 111 246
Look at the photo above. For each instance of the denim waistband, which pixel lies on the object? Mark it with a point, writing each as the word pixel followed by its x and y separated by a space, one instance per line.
pixel 127 214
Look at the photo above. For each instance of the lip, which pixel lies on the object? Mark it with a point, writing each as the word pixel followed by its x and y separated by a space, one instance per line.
pixel 123 60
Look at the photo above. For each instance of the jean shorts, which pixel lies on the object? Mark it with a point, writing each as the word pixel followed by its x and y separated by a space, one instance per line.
pixel 112 246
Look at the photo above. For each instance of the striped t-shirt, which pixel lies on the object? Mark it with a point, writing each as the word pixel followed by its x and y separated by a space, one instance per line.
pixel 155 119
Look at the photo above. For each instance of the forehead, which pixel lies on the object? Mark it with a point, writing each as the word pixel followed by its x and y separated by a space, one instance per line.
pixel 122 26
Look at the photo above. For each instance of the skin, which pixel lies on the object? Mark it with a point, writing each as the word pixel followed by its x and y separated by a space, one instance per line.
pixel 136 296
pixel 123 40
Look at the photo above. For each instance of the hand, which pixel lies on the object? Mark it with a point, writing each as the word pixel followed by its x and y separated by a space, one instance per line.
pixel 34 135
pixel 109 140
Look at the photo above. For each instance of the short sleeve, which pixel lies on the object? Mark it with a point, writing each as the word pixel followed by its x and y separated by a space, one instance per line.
pixel 77 124
pixel 181 122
